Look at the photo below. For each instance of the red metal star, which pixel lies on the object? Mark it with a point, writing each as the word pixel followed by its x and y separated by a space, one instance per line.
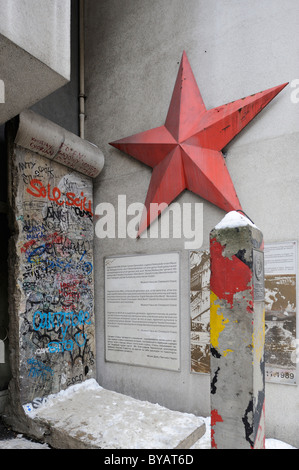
pixel 185 153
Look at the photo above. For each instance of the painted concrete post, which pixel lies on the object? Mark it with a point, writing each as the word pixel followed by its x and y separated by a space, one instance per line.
pixel 237 334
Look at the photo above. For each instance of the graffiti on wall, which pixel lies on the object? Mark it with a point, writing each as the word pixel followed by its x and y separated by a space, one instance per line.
pixel 53 207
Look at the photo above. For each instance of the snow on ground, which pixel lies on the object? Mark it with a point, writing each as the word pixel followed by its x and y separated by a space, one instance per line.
pixel 205 441
pixel 20 442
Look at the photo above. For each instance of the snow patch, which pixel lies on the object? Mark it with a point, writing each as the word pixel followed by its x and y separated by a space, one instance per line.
pixel 234 219
pixel 205 441
pixel 90 384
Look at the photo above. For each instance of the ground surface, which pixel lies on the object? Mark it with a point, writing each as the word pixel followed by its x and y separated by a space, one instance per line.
pixel 12 440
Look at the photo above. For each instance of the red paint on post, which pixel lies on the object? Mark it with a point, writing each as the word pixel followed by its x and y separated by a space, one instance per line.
pixel 260 436
pixel 232 275
pixel 215 418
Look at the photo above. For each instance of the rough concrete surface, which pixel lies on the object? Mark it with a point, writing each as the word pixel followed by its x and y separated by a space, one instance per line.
pixel 237 332
pixel 88 416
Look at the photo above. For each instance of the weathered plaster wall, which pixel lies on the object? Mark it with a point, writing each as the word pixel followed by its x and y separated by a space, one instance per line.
pixel 235 49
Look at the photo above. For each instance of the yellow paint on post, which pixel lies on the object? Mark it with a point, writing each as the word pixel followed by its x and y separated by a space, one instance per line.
pixel 259 340
pixel 216 319
pixel 226 351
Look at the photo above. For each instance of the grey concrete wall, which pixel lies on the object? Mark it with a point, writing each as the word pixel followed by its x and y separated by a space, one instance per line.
pixel 235 49
pixel 41 28
pixel 62 106
pixel 35 52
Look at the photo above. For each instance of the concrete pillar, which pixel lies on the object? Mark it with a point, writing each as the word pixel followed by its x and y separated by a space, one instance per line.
pixel 237 334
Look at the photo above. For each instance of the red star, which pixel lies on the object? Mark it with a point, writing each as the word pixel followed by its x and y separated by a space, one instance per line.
pixel 185 153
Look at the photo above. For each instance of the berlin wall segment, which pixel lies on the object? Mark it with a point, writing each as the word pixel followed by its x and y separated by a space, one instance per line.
pixel 237 338
pixel 53 310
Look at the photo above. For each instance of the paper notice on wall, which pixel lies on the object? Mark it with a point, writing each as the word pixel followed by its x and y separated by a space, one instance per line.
pixel 142 310
pixel 280 312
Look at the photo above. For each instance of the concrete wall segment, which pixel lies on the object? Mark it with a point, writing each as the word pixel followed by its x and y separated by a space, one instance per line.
pixel 49 140
pixel 51 296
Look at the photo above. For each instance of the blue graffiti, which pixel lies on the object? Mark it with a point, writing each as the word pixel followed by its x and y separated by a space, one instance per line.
pixel 62 346
pixel 35 257
pixel 61 320
pixel 38 369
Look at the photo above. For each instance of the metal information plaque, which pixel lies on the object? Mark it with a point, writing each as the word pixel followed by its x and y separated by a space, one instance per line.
pixel 142 310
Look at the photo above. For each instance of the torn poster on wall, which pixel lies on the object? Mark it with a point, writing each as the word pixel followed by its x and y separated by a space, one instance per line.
pixel 280 310
pixel 200 311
